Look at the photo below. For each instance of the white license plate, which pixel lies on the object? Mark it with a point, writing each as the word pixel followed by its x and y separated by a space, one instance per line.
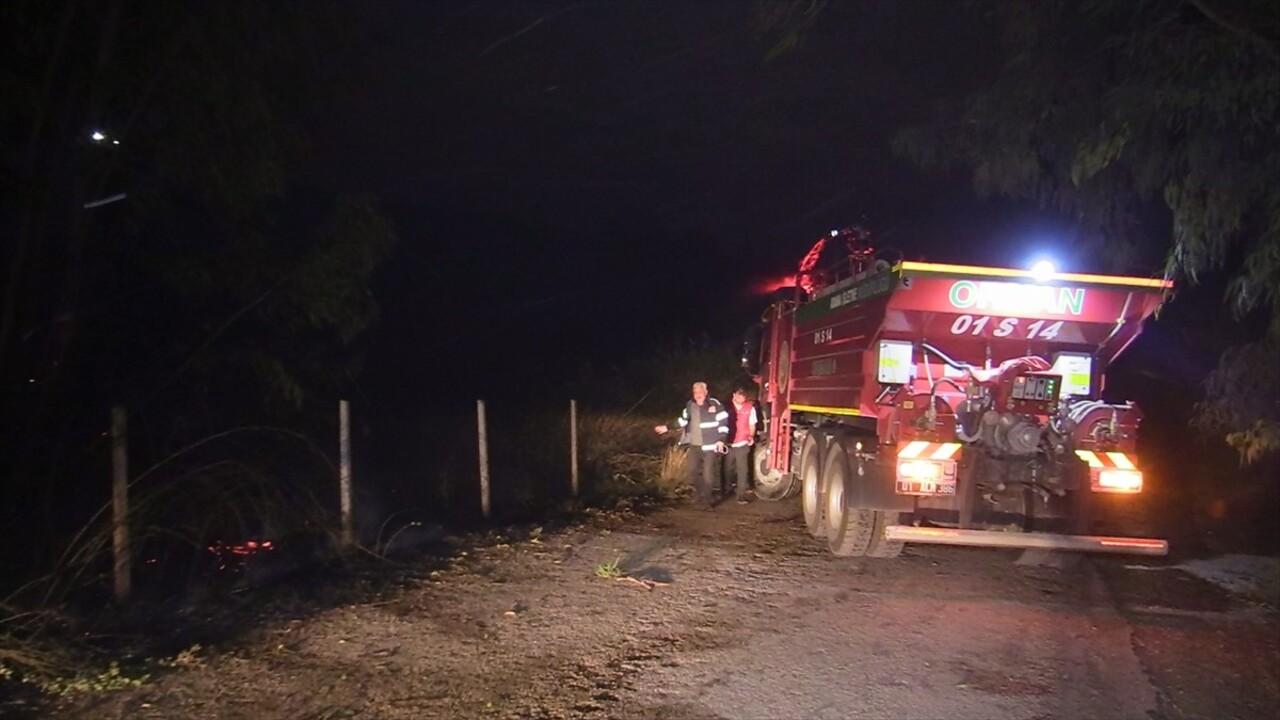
pixel 927 487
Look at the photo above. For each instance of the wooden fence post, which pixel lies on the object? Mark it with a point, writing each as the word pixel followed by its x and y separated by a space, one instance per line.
pixel 344 471
pixel 120 502
pixel 484 459
pixel 573 444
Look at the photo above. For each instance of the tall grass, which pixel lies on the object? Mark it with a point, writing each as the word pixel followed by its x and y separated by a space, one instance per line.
pixel 245 483
pixel 252 482
pixel 264 483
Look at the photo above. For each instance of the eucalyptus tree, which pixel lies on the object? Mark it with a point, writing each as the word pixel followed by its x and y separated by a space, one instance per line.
pixel 163 246
pixel 1150 122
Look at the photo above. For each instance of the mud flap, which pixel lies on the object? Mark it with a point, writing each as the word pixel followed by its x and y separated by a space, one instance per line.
pixel 873 487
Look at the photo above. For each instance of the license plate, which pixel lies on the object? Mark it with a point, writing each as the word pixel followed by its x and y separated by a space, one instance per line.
pixel 927 487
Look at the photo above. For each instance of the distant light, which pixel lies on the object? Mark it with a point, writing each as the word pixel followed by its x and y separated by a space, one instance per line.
pixel 98 136
pixel 1043 271
pixel 834 233
pixel 115 142
pixel 105 201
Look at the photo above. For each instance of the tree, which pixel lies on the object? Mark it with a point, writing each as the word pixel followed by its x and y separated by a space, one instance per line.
pixel 221 289
pixel 1143 119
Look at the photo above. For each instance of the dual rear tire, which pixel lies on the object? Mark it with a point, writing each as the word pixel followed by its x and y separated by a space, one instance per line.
pixel 827 488
pixel 771 484
pixel 813 490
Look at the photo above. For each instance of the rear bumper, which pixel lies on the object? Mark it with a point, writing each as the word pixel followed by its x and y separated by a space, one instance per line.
pixel 1046 541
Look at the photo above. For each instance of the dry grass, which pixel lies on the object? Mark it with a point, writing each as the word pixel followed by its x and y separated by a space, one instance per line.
pixel 622 456
pixel 671 468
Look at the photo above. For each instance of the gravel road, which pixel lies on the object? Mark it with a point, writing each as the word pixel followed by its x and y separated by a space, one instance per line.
pixel 738 613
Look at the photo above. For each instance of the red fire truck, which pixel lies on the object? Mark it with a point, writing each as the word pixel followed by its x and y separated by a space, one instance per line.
pixel 934 403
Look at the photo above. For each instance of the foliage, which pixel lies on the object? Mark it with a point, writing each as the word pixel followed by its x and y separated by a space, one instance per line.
pixel 1139 119
pixel 1241 397
pixel 24 658
pixel 610 570
pixel 113 678
pixel 658 381
pixel 783 24
pixel 20 665
pixel 198 496
pixel 222 289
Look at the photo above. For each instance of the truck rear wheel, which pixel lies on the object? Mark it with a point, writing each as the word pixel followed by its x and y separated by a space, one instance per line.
pixel 879 547
pixel 771 484
pixel 848 529
pixel 812 487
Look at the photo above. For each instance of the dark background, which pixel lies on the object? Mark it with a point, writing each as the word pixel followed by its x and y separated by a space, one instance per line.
pixel 589 198
pixel 575 182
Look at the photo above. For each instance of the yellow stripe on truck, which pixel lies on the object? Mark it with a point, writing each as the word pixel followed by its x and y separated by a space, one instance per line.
pixel 825 410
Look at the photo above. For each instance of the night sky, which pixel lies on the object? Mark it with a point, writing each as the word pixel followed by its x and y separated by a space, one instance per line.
pixel 577 181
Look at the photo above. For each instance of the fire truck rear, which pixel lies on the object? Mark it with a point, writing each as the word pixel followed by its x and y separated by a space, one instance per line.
pixel 952 404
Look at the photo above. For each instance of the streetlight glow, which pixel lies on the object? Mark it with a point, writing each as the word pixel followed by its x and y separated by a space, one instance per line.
pixel 1043 271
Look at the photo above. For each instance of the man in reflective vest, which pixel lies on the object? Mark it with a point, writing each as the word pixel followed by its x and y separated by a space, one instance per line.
pixel 704 425
pixel 744 436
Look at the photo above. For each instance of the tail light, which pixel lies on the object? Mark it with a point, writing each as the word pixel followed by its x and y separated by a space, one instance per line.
pixel 920 470
pixel 926 477
pixel 1112 472
pixel 1113 480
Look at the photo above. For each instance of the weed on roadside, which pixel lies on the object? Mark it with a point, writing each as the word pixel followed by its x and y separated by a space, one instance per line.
pixel 113 678
pixel 610 570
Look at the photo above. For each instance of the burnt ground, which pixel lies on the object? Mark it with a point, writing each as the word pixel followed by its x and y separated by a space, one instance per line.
pixel 735 613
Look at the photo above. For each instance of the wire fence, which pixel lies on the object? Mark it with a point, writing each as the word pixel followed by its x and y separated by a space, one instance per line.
pixel 492 467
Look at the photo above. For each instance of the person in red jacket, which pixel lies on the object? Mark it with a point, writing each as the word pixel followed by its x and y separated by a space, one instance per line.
pixel 743 437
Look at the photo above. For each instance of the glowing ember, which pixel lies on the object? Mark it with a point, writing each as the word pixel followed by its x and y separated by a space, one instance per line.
pixel 805 278
pixel 769 285
pixel 225 552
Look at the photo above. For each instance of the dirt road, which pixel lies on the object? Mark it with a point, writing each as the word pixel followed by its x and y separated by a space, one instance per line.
pixel 738 613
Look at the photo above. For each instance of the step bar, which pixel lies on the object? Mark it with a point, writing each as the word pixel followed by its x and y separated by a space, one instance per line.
pixel 1045 541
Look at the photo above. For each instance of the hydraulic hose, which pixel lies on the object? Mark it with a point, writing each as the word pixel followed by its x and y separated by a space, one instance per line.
pixel 945 358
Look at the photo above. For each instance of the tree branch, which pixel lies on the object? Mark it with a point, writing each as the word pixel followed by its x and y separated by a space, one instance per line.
pixel 1236 28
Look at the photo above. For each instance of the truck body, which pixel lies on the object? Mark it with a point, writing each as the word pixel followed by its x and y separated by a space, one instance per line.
pixel 936 403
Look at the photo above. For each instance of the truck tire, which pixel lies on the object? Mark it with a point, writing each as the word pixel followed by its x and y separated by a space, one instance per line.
pixel 771 485
pixel 848 530
pixel 879 547
pixel 812 488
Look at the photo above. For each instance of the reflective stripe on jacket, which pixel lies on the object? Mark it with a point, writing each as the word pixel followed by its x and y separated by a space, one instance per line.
pixel 704 425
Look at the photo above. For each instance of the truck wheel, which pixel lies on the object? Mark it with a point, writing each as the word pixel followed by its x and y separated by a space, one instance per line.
pixel 771 484
pixel 879 547
pixel 848 529
pixel 812 489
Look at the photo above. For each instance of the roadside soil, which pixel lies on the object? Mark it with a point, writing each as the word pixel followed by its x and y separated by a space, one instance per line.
pixel 736 613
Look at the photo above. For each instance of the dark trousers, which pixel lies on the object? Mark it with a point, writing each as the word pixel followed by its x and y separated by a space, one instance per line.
pixel 703 467
pixel 740 463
